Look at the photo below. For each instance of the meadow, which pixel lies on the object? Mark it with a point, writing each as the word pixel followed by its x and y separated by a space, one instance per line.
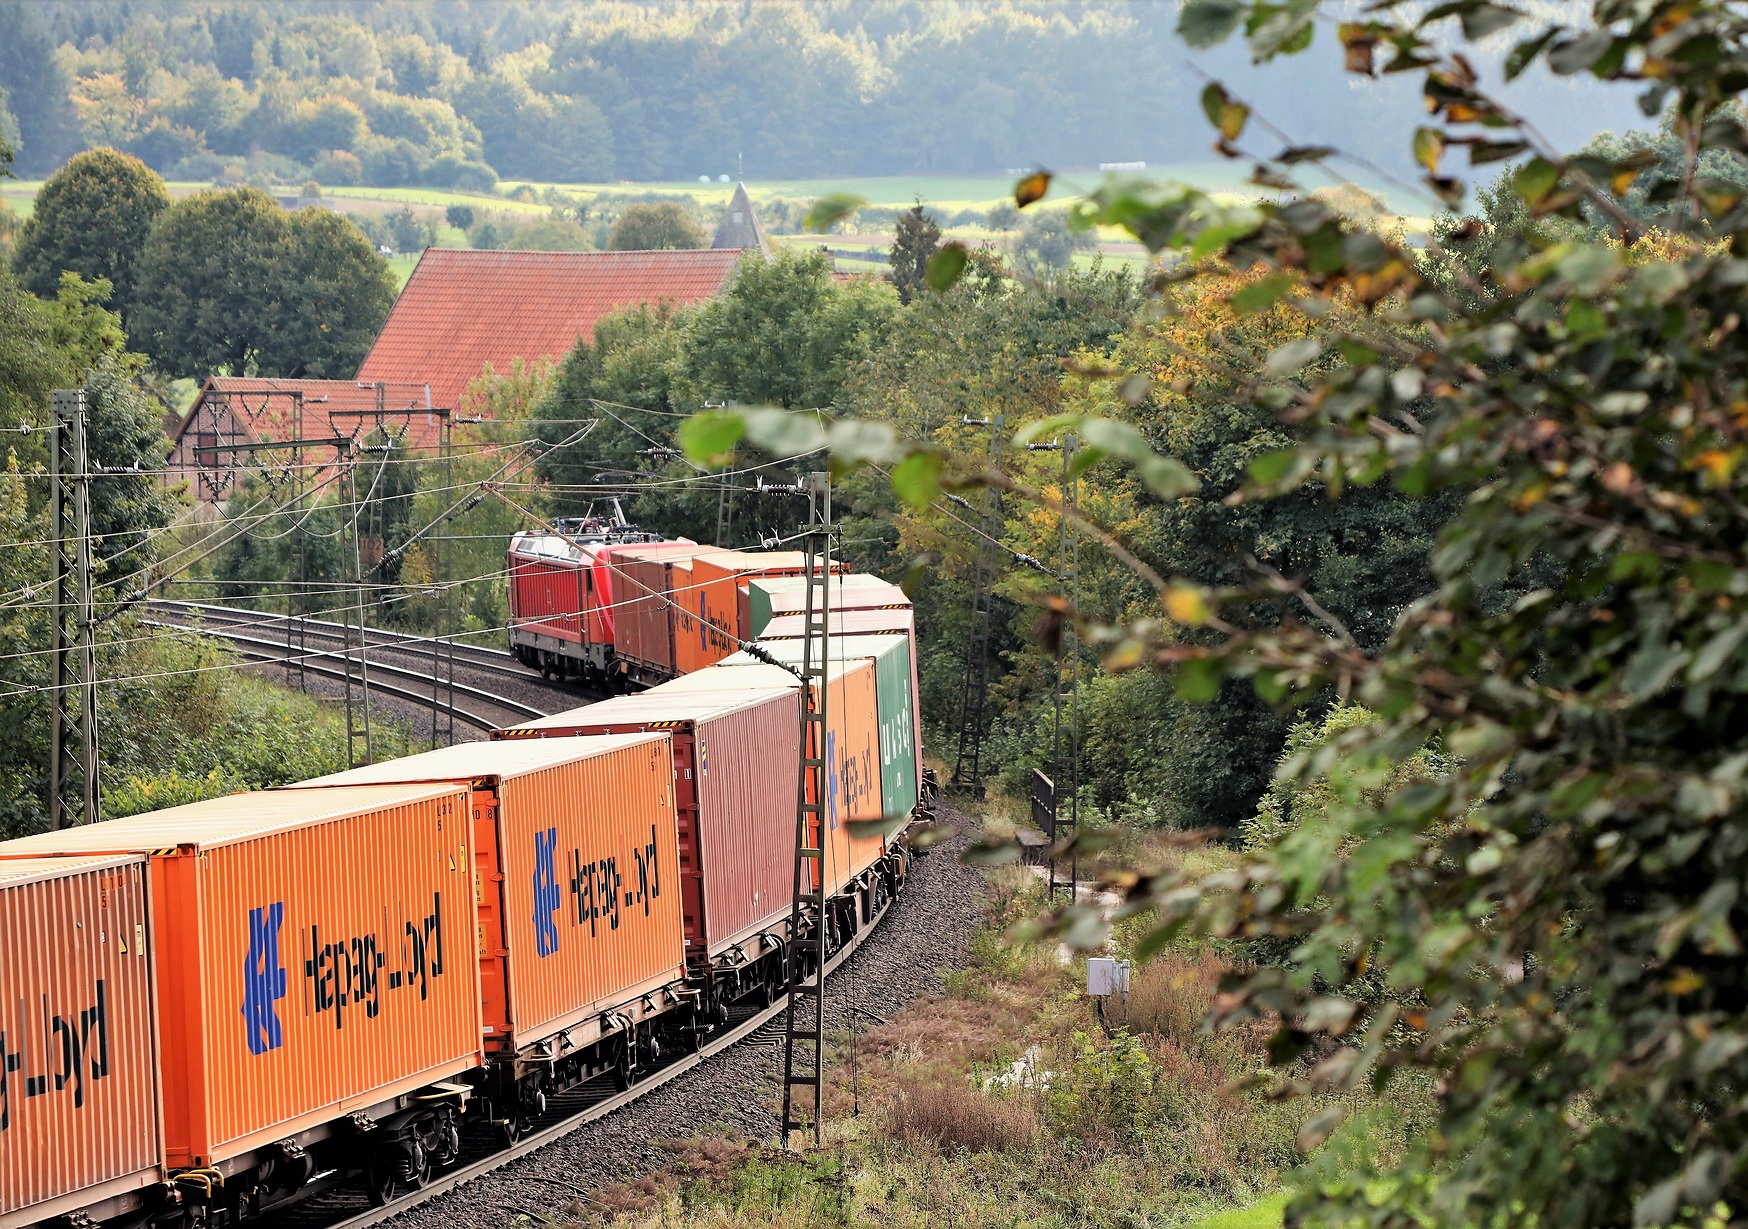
pixel 947 193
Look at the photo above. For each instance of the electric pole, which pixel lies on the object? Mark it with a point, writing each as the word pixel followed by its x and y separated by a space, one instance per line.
pixel 974 683
pixel 73 738
pixel 804 1022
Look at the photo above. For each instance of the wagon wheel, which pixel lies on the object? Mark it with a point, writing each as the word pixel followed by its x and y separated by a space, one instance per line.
pixel 393 1173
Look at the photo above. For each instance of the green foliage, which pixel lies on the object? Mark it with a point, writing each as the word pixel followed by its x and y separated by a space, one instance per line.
pixel 785 333
pixel 1555 919
pixel 1047 243
pixel 459 216
pixel 38 90
pixel 407 231
pixel 912 247
pixel 1103 1091
pixel 655 226
pixel 92 218
pixel 207 731
pixel 1329 766
pixel 70 343
pixel 530 135
pixel 552 235
pixel 229 281
pixel 317 125
pixel 8 137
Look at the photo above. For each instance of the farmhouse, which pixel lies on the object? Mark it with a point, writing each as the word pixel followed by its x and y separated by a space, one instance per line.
pixel 464 309
pixel 236 410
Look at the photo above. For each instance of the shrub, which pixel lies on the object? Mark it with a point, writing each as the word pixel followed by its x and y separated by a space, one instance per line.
pixel 198 166
pixel 951 1115
pixel 388 162
pixel 339 168
pixel 454 171
pixel 1170 996
pixel 552 235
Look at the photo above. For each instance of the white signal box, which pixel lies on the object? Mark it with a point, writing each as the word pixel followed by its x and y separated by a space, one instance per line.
pixel 1105 977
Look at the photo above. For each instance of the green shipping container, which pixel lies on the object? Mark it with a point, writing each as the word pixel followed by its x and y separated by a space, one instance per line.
pixel 893 696
pixel 853 591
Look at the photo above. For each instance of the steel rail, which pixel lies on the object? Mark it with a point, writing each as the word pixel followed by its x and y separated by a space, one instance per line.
pixel 478 655
pixel 271 651
pixel 558 1130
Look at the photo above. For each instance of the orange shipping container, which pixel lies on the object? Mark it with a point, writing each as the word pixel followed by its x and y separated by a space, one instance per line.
pixel 651 585
pixel 863 622
pixel 78 1066
pixel 578 873
pixel 718 578
pixel 735 761
pixel 312 954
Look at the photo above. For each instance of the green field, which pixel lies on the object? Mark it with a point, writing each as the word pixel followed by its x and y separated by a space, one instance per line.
pixel 952 193
pixel 1264 1214
pixel 949 193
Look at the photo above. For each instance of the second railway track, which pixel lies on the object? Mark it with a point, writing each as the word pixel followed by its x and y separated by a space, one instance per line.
pixel 490 689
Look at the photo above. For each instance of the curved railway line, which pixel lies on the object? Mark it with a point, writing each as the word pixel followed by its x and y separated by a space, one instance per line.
pixel 491 689
pixel 346 1206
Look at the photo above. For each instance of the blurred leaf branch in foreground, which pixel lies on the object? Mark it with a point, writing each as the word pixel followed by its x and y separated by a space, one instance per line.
pixel 1550 922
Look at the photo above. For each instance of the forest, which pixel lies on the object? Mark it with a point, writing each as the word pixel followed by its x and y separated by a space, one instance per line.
pixel 457 94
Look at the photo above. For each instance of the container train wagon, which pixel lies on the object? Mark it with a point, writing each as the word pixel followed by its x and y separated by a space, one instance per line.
pixel 620 612
pixel 215 1010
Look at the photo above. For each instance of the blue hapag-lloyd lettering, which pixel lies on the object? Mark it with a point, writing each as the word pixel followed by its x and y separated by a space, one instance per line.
pixel 850 787
pixel 831 779
pixel 546 894
pixel 263 980
pixel 340 973
pixel 73 1047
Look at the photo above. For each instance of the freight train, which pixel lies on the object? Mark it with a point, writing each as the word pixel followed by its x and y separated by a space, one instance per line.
pixel 212 1011
pixel 619 608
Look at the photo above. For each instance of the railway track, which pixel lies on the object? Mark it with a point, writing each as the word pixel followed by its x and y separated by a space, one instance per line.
pixel 345 1206
pixel 491 689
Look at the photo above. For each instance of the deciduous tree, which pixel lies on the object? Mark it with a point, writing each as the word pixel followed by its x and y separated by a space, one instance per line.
pixel 230 281
pixel 655 226
pixel 92 218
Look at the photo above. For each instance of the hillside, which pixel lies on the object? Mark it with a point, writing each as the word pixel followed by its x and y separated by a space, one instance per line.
pixel 457 95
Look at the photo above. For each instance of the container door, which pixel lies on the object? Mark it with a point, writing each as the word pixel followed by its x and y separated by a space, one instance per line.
pixel 691 847
pixel 488 894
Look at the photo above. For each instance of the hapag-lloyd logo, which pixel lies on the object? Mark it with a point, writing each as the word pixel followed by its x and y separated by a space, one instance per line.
pixel 342 974
pixel 851 786
pixel 598 888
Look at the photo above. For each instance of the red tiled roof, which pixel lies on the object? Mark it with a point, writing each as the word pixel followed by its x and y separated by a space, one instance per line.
pixel 462 309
